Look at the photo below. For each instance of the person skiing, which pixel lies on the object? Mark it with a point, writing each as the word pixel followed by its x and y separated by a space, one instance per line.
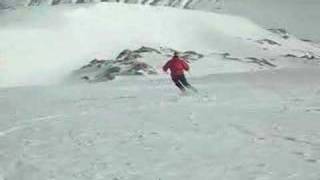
pixel 177 67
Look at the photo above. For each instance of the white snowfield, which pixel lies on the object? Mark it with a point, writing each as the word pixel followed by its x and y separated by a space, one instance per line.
pixel 262 126
pixel 43 44
pixel 242 125
pixel 68 36
pixel 297 16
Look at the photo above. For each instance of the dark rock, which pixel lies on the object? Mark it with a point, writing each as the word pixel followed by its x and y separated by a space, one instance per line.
pixel 114 69
pixel 96 61
pixel 85 78
pixel 80 1
pixel 268 41
pixel 55 2
pixel 191 55
pixel 306 40
pixel 144 49
pixel 307 55
pixel 138 68
pixel 291 55
pixel 229 57
pixel 86 66
pixel 282 32
pixel 128 62
pixel 261 61
pixel 167 51
pixel 34 3
pixel 127 55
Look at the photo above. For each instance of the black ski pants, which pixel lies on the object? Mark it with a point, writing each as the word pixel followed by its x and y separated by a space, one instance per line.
pixel 181 82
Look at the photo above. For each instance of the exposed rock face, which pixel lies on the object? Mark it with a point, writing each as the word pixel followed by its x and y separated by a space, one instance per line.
pixel 281 32
pixel 260 61
pixel 303 55
pixel 128 63
pixel 191 55
pixel 269 42
pixel 149 61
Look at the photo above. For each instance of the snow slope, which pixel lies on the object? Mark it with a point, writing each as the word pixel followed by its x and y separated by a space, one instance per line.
pixel 262 125
pixel 299 17
pixel 42 45
pixel 67 36
pixel 255 125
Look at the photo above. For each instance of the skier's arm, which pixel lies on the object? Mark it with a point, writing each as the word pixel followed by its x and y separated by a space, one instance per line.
pixel 166 66
pixel 185 65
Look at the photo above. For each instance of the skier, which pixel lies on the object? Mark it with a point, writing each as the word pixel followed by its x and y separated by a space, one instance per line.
pixel 177 67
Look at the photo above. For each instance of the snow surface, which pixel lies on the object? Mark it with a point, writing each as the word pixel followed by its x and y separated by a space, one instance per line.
pixel 299 17
pixel 67 36
pixel 241 126
pixel 262 125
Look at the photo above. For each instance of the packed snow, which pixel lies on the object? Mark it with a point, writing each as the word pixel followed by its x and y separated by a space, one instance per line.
pixel 261 125
pixel 255 116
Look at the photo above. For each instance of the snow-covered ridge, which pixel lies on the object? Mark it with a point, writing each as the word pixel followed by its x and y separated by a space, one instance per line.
pixel 186 4
pixel 270 14
pixel 43 45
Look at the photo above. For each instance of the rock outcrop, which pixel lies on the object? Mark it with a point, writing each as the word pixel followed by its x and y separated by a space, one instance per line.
pixel 129 63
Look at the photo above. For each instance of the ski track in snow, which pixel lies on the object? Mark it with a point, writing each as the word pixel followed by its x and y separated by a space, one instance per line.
pixel 32 122
pixel 299 142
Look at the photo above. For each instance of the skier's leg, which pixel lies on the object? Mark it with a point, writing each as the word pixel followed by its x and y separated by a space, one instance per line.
pixel 178 83
pixel 186 84
pixel 180 86
pixel 184 81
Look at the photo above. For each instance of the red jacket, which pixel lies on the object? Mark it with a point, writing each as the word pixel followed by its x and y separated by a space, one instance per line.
pixel 176 65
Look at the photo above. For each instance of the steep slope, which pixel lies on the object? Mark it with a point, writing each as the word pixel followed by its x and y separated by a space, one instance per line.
pixel 249 125
pixel 43 45
pixel 297 16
